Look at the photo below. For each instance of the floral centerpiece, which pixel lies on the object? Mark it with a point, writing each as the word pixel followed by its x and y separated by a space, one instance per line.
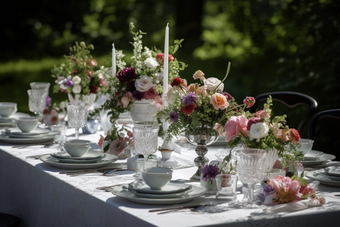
pixel 142 80
pixel 199 105
pixel 80 75
pixel 259 130
pixel 119 141
pixel 283 190
pixel 208 175
pixel 50 113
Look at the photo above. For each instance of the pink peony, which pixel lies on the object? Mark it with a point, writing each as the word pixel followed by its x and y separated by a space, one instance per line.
pixel 234 125
pixel 219 101
pixel 286 190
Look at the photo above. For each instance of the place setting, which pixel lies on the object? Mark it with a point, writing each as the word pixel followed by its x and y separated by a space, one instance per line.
pixel 76 154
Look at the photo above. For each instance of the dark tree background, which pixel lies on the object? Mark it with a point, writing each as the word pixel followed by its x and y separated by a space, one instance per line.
pixel 272 45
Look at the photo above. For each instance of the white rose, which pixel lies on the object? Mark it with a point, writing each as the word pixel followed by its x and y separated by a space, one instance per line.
pixel 258 130
pixel 76 80
pixel 212 83
pixel 76 89
pixel 151 63
pixel 144 83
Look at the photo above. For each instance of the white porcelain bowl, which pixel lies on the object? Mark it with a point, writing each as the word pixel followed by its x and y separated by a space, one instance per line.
pixel 77 148
pixel 27 124
pixel 306 145
pixel 7 109
pixel 156 177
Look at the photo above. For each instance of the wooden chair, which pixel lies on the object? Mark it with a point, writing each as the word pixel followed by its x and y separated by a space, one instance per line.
pixel 8 220
pixel 290 99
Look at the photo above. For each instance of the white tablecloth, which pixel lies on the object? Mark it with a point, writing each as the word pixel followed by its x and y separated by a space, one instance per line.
pixel 40 196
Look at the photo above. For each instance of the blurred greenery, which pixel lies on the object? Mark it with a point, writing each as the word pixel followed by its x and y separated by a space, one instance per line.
pixel 273 45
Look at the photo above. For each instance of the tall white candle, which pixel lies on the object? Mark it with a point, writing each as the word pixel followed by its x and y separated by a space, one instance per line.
pixel 166 60
pixel 113 60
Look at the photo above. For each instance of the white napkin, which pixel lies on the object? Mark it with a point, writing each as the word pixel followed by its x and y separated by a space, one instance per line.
pixel 292 206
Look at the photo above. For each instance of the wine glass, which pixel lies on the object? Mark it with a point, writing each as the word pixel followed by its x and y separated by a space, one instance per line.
pixel 251 170
pixel 77 116
pixel 145 136
pixel 37 101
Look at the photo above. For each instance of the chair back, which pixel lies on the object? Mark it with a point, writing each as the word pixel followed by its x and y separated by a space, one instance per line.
pixel 324 130
pixel 291 100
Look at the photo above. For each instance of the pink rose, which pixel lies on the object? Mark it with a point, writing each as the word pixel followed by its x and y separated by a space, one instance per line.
pixel 219 101
pixel 192 88
pixel 199 75
pixel 102 82
pixel 126 99
pixel 249 101
pixel 262 114
pixel 158 102
pixel 294 135
pixel 234 125
pixel 220 129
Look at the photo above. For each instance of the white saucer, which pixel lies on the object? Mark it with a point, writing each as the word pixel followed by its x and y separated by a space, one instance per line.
pixel 66 160
pixel 169 188
pixel 124 192
pixel 37 131
pixel 168 163
pixel 91 154
pixel 326 157
pixel 7 139
pixel 313 155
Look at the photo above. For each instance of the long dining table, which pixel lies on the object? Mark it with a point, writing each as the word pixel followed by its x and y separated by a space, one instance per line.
pixel 39 195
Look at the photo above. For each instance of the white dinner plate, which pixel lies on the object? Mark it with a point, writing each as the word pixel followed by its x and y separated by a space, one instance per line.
pixel 158 196
pixel 36 131
pixel 109 158
pixel 7 139
pixel 91 154
pixel 324 158
pixel 124 192
pixel 313 155
pixel 320 175
pixel 169 188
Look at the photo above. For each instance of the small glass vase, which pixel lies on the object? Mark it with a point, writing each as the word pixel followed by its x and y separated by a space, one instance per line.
pixel 209 185
pixel 201 137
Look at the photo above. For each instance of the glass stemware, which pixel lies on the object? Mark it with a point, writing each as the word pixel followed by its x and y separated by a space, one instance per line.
pixel 251 170
pixel 77 116
pixel 37 101
pixel 145 135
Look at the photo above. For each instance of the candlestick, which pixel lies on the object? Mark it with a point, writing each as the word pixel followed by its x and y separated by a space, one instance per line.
pixel 113 60
pixel 166 60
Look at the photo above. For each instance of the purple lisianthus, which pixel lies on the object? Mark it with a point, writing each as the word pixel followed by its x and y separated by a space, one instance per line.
pixel 209 172
pixel 266 191
pixel 48 100
pixel 126 74
pixel 68 83
pixel 229 97
pixel 131 87
pixel 137 95
pixel 174 116
pixel 190 98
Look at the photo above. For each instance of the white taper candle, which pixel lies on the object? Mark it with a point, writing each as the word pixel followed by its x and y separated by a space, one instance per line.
pixel 113 60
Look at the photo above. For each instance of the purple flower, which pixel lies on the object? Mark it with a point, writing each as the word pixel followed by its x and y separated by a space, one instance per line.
pixel 209 172
pixel 137 95
pixel 174 116
pixel 229 97
pixel 266 191
pixel 131 87
pixel 68 83
pixel 126 74
pixel 48 100
pixel 190 98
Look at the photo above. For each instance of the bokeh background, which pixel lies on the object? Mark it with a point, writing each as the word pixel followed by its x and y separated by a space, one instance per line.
pixel 273 45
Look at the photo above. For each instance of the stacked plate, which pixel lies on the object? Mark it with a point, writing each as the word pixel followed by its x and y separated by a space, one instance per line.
pixel 328 176
pixel 316 158
pixel 38 135
pixel 92 159
pixel 170 194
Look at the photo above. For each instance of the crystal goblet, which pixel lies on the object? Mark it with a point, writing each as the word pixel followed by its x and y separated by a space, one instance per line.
pixel 77 116
pixel 145 136
pixel 251 170
pixel 37 101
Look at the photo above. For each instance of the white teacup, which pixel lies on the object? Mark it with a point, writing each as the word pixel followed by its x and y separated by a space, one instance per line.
pixel 27 124
pixel 306 145
pixel 156 177
pixel 7 109
pixel 77 148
